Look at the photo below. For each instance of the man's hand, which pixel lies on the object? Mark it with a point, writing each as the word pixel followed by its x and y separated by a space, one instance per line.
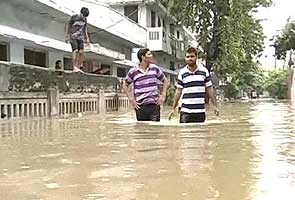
pixel 134 104
pixel 88 42
pixel 216 111
pixel 67 39
pixel 161 100
pixel 171 114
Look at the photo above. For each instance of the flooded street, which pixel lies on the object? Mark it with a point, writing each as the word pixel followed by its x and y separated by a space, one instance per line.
pixel 248 153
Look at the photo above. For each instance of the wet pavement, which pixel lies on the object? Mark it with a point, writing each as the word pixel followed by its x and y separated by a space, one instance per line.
pixel 248 153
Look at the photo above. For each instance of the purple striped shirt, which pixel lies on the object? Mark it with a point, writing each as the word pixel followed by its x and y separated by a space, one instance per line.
pixel 145 84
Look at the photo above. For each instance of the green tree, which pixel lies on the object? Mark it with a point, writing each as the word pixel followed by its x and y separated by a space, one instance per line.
pixel 228 32
pixel 276 84
pixel 285 41
pixel 170 96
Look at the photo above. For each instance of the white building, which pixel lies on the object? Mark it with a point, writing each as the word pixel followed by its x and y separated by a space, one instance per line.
pixel 165 37
pixel 33 32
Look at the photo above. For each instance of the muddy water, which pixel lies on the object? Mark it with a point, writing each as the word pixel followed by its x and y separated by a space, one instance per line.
pixel 247 153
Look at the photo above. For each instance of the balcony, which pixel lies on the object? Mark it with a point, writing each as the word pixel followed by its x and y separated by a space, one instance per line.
pixel 101 17
pixel 159 40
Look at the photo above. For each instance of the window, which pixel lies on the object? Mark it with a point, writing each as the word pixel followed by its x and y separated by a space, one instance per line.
pixel 172 66
pixel 164 30
pixel 3 52
pixel 154 35
pixel 131 12
pixel 103 69
pixel 36 58
pixel 159 22
pixel 121 72
pixel 178 35
pixel 153 19
pixel 172 29
pixel 91 66
pixel 68 64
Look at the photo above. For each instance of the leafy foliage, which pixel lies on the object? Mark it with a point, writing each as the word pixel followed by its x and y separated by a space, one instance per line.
pixel 285 41
pixel 276 84
pixel 228 32
pixel 170 96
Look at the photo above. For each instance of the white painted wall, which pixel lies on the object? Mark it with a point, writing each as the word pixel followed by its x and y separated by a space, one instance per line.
pixel 114 69
pixel 16 51
pixel 33 22
pixel 142 13
pixel 145 20
pixel 102 17
pixel 30 21
pixel 134 55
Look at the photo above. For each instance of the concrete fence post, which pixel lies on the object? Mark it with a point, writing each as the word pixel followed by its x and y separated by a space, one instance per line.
pixel 53 102
pixel 101 102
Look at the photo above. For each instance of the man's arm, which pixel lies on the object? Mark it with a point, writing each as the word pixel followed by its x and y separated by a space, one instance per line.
pixel 165 86
pixel 87 35
pixel 68 28
pixel 212 96
pixel 164 91
pixel 126 89
pixel 177 96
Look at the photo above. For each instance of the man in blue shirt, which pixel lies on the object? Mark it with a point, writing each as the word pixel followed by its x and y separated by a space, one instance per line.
pixel 192 83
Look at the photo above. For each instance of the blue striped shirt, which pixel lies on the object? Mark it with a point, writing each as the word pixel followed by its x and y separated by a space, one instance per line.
pixel 193 85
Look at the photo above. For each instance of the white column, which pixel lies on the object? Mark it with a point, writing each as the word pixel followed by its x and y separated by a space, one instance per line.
pixel 134 55
pixel 114 70
pixel 101 102
pixel 142 16
pixel 16 52
pixel 53 102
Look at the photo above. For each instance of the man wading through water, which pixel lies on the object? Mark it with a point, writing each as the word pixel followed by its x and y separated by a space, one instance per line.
pixel 76 35
pixel 145 97
pixel 193 82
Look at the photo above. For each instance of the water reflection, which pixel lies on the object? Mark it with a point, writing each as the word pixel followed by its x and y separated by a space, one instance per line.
pixel 247 154
pixel 274 125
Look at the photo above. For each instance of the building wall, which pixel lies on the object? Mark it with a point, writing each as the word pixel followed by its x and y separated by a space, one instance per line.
pixel 28 20
pixel 144 15
pixel 165 60
pixel 31 21
pixel 23 78
pixel 142 12
pixel 113 45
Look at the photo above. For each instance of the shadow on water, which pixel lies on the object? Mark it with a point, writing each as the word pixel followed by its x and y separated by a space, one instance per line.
pixel 247 153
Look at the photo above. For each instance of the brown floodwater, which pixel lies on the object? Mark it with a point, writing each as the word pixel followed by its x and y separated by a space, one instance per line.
pixel 248 153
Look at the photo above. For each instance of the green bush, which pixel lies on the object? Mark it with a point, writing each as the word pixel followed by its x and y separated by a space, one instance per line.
pixel 276 84
pixel 170 96
pixel 231 90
